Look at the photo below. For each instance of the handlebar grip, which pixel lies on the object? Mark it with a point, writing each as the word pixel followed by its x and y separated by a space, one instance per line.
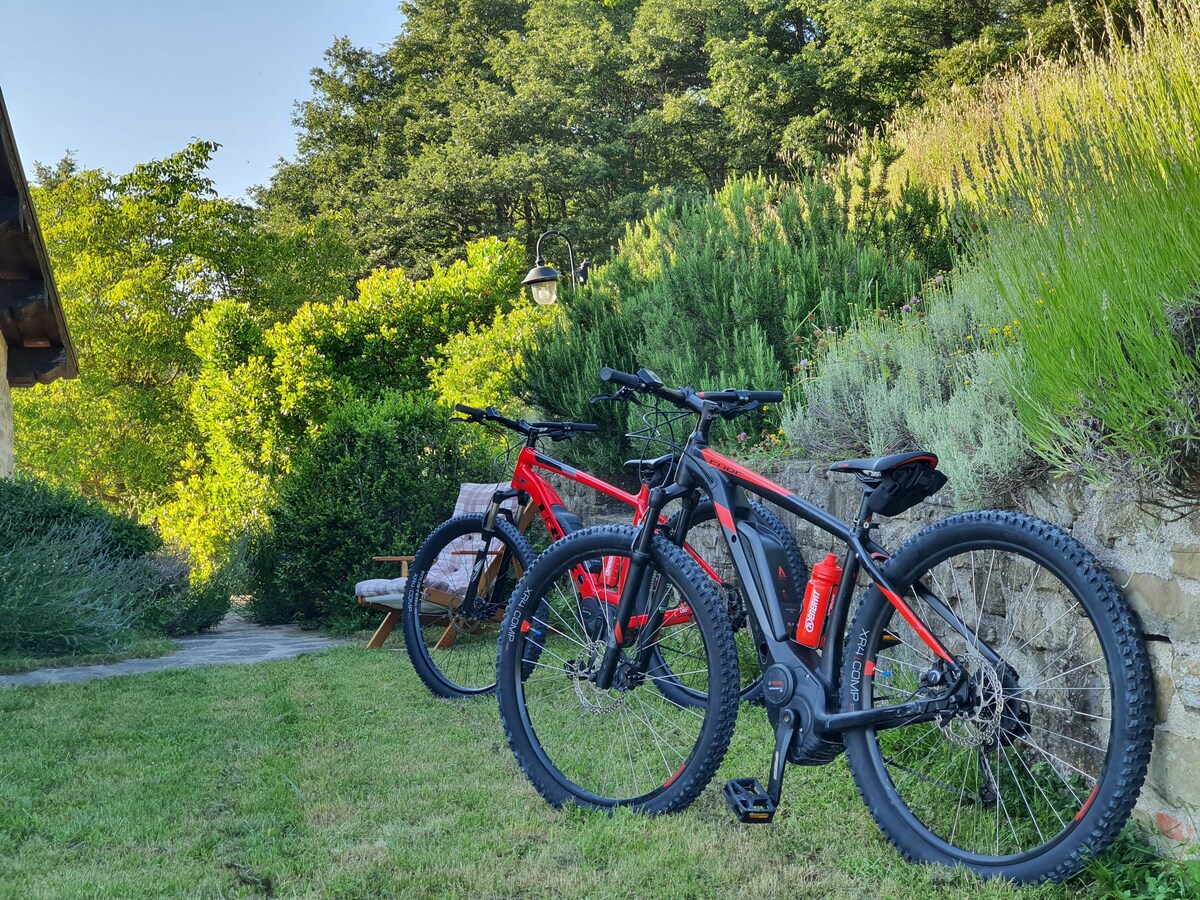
pixel 468 410
pixel 622 378
pixel 584 426
pixel 767 396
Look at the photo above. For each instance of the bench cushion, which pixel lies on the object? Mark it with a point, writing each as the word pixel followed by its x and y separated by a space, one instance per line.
pixel 384 591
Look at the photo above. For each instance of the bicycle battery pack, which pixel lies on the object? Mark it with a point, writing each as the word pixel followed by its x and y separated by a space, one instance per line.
pixel 773 579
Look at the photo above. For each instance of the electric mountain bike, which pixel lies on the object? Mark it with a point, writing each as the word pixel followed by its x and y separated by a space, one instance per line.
pixel 463 575
pixel 992 692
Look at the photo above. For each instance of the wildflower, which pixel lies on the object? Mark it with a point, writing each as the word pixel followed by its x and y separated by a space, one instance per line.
pixel 966 381
pixel 914 300
pixel 743 436
pixel 797 339
pixel 939 280
pixel 906 308
pixel 804 363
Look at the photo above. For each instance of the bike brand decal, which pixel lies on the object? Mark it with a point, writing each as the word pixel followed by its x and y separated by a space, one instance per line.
pixel 512 629
pixel 810 621
pixel 856 668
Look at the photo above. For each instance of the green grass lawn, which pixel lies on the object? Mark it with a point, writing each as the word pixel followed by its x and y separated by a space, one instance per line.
pixel 339 775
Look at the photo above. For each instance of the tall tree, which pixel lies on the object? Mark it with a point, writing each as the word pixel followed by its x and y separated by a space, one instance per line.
pixel 136 258
pixel 506 117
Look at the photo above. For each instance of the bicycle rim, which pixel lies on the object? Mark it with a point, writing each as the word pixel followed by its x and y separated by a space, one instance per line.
pixel 628 744
pixel 1008 778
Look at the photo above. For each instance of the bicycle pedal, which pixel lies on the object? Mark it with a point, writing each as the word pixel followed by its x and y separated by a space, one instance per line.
pixel 749 801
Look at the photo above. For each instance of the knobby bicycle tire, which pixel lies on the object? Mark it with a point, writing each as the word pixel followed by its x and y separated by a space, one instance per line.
pixel 1042 769
pixel 455 656
pixel 629 745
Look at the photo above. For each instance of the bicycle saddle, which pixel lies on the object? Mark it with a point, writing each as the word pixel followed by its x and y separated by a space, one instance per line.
pixel 881 465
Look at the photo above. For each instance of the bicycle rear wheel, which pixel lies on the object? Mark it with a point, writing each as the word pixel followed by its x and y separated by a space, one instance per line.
pixel 449 632
pixel 629 745
pixel 1041 765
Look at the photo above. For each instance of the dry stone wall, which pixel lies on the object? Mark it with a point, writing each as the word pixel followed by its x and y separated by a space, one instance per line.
pixel 1152 553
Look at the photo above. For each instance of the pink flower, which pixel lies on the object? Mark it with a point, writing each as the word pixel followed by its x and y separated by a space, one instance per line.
pixel 742 436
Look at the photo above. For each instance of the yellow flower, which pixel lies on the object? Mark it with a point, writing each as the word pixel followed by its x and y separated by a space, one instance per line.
pixel 966 381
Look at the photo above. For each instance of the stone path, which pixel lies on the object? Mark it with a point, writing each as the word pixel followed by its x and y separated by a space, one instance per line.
pixel 233 641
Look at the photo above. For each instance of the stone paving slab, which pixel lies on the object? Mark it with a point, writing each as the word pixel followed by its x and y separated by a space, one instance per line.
pixel 232 642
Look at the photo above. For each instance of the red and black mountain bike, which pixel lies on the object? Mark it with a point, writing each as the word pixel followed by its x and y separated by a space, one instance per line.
pixel 992 690
pixel 463 575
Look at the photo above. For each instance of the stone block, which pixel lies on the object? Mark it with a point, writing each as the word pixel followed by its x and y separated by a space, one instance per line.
pixel 1186 676
pixel 1163 606
pixel 1162 658
pixel 1185 562
pixel 1173 767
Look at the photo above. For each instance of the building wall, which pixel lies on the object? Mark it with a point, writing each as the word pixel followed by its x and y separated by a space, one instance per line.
pixel 6 416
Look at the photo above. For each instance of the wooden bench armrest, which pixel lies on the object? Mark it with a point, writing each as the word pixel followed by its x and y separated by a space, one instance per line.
pixel 393 558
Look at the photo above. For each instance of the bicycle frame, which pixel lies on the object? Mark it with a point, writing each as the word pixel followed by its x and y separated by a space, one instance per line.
pixel 537 496
pixel 815 671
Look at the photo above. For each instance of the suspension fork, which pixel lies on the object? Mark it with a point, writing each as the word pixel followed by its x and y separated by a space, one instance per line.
pixel 486 533
pixel 632 591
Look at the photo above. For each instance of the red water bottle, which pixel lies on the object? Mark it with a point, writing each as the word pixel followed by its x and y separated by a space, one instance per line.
pixel 826 575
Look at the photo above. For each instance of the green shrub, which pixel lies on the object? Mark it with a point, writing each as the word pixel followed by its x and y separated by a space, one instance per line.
pixel 32 505
pixel 75 578
pixel 207 600
pixel 729 291
pixel 262 396
pixel 484 366
pixel 932 377
pixel 1086 178
pixel 376 480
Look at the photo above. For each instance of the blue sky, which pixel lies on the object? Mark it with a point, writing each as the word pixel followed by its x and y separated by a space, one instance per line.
pixel 121 81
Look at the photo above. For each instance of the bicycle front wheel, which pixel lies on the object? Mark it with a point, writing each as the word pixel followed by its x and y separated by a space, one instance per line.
pixel 630 744
pixel 1041 763
pixel 450 630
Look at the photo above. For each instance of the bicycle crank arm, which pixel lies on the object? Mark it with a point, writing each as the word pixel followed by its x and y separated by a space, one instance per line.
pixel 745 796
pixel 889 716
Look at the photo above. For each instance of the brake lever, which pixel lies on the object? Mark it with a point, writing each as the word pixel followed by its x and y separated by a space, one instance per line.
pixel 622 394
pixel 731 414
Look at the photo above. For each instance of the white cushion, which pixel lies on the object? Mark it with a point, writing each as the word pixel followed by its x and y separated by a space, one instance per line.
pixel 380 587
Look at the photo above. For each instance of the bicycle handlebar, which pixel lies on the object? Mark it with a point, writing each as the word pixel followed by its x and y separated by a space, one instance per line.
pixel 554 430
pixel 647 382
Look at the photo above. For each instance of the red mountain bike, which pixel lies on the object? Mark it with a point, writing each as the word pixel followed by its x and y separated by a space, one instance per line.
pixel 992 691
pixel 463 575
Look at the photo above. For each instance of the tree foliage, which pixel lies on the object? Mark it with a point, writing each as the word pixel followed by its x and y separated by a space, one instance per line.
pixel 738 290
pixel 137 258
pixel 377 479
pixel 262 396
pixel 505 117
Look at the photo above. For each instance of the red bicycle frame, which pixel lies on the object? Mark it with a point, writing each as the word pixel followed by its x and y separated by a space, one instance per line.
pixel 605 585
